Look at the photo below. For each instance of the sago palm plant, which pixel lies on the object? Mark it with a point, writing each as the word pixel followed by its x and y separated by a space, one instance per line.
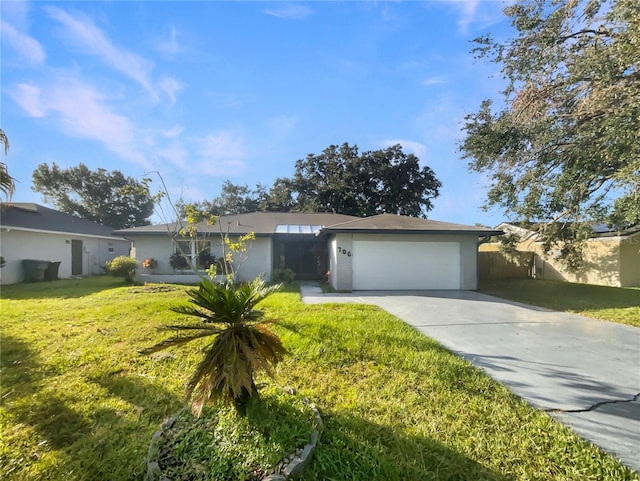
pixel 243 342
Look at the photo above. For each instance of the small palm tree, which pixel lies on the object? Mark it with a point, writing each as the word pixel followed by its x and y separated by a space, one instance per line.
pixel 243 342
pixel 7 183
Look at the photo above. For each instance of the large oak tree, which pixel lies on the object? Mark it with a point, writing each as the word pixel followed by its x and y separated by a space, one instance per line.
pixel 109 198
pixel 344 181
pixel 339 180
pixel 563 145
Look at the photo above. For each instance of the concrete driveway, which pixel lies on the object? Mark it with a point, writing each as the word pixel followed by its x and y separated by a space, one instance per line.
pixel 583 372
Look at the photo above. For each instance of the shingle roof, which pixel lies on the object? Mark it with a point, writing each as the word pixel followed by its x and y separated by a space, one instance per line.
pixel 22 215
pixel 266 224
pixel 260 223
pixel 599 230
pixel 391 223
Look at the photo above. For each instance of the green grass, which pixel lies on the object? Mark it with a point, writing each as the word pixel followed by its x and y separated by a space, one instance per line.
pixel 79 403
pixel 616 304
pixel 245 448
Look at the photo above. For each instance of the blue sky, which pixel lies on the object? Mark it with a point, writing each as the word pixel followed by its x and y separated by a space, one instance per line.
pixel 208 91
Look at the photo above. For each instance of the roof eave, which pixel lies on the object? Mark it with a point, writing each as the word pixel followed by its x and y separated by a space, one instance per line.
pixel 134 233
pixel 483 233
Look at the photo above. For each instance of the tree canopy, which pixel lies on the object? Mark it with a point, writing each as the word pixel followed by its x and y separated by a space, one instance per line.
pixel 344 181
pixel 233 199
pixel 339 180
pixel 109 198
pixel 563 145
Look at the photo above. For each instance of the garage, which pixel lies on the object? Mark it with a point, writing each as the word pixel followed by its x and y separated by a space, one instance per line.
pixel 395 252
pixel 380 265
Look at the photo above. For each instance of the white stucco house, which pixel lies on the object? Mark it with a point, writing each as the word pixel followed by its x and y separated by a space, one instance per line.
pixel 31 231
pixel 382 252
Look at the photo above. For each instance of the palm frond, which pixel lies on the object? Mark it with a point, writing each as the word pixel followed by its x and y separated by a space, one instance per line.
pixel 180 340
pixel 243 345
pixel 189 327
pixel 189 311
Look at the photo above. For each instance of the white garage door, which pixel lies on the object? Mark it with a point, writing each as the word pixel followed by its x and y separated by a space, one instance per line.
pixel 380 265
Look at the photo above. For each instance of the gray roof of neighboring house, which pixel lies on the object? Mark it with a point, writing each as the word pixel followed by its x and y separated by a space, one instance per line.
pixel 29 216
pixel 599 230
pixel 260 223
pixel 269 223
pixel 400 224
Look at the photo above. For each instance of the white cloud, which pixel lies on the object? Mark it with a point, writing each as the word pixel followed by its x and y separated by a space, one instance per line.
pixel 221 154
pixel 194 193
pixel 175 153
pixel 28 47
pixel 468 13
pixel 82 112
pixel 87 37
pixel 170 86
pixel 291 11
pixel 420 150
pixel 173 132
pixel 428 82
pixel 28 97
pixel 477 14
pixel 170 46
pixel 17 13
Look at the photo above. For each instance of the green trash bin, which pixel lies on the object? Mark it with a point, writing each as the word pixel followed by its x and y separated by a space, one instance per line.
pixel 34 270
pixel 51 274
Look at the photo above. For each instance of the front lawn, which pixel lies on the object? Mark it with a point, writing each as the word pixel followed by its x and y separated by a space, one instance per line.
pixel 617 304
pixel 79 403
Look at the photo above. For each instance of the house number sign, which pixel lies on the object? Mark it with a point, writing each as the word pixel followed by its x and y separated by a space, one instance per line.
pixel 344 252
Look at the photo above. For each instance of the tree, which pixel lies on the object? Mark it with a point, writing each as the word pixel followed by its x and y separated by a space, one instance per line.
pixel 343 181
pixel 109 198
pixel 394 183
pixel 339 180
pixel 233 199
pixel 243 343
pixel 7 183
pixel 564 147
pixel 280 197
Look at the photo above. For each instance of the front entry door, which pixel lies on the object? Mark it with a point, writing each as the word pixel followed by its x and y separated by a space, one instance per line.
pixel 304 255
pixel 76 257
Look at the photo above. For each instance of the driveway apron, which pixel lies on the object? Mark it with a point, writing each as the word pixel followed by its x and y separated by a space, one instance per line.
pixel 583 372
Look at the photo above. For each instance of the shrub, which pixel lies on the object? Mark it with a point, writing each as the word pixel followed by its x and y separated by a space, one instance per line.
pixel 178 261
pixel 284 275
pixel 122 266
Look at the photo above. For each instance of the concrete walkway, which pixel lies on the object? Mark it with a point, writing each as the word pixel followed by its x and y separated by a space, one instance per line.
pixel 583 372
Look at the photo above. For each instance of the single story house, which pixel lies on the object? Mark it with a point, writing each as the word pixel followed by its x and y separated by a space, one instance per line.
pixel 611 257
pixel 31 231
pixel 379 252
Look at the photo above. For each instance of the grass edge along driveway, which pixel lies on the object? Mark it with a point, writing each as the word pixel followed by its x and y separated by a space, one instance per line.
pixel 615 304
pixel 79 403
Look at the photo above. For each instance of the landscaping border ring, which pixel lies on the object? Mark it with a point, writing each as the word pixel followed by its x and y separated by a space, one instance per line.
pixel 291 467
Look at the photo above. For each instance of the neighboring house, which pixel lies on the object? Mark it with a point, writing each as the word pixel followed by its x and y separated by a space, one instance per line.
pixel 31 231
pixel 611 258
pixel 379 252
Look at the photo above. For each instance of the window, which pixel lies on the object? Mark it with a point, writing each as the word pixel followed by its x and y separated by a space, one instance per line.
pixel 198 251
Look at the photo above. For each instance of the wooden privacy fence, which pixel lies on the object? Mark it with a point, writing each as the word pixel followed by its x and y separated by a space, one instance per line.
pixel 494 265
